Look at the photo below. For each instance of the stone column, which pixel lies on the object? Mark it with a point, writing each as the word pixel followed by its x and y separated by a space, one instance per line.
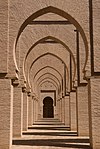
pixel 30 110
pixel 67 111
pixel 63 110
pixel 94 111
pixel 6 111
pixel 60 109
pixel 41 110
pixel 36 109
pixel 73 111
pixel 25 111
pixel 17 111
pixel 82 108
pixel 55 112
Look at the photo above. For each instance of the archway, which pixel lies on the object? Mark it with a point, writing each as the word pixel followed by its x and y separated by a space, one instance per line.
pixel 48 109
pixel 59 12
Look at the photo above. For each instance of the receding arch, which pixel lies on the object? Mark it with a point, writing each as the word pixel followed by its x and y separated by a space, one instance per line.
pixel 47 67
pixel 48 78
pixel 43 72
pixel 44 81
pixel 48 74
pixel 59 41
pixel 60 13
pixel 48 53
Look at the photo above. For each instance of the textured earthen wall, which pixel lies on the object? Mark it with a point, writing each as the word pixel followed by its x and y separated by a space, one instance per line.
pixel 94 111
pixel 6 101
pixel 82 107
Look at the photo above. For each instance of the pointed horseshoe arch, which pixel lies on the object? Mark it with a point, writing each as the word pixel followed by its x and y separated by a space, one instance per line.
pixel 48 79
pixel 45 68
pixel 44 81
pixel 60 13
pixel 48 74
pixel 57 58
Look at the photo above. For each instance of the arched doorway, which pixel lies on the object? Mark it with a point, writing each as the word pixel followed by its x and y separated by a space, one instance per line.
pixel 48 109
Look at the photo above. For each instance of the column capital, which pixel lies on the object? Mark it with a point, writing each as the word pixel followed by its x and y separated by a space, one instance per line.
pixel 35 99
pixel 24 90
pixel 75 84
pixel 33 95
pixel 67 94
pixel 28 91
pixel 58 99
pixel 29 94
pixel 87 75
pixel 15 82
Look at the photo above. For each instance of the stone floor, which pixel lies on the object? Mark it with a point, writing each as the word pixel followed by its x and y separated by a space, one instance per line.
pixel 50 135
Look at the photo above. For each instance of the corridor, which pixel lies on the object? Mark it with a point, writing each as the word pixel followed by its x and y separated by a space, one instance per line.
pixel 50 134
pixel 49 74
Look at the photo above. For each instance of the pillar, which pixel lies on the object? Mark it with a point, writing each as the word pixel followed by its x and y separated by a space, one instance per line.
pixel 30 110
pixel 67 111
pixel 38 110
pixel 55 112
pixel 60 109
pixel 6 101
pixel 94 112
pixel 41 109
pixel 34 110
pixel 82 109
pixel 73 115
pixel 63 110
pixel 25 111
pixel 17 111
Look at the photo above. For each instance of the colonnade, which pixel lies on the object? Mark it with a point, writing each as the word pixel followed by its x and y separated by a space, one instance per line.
pixel 21 111
pixel 51 49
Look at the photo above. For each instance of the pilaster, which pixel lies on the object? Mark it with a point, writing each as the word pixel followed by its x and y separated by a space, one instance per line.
pixel 6 102
pixel 82 109
pixel 17 110
pixel 67 111
pixel 94 111
pixel 25 110
pixel 30 110
pixel 73 114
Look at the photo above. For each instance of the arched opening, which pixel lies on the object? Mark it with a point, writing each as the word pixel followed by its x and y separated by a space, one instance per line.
pixel 48 109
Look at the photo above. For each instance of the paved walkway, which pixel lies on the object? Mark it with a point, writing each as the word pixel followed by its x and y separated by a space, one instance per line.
pixel 50 136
